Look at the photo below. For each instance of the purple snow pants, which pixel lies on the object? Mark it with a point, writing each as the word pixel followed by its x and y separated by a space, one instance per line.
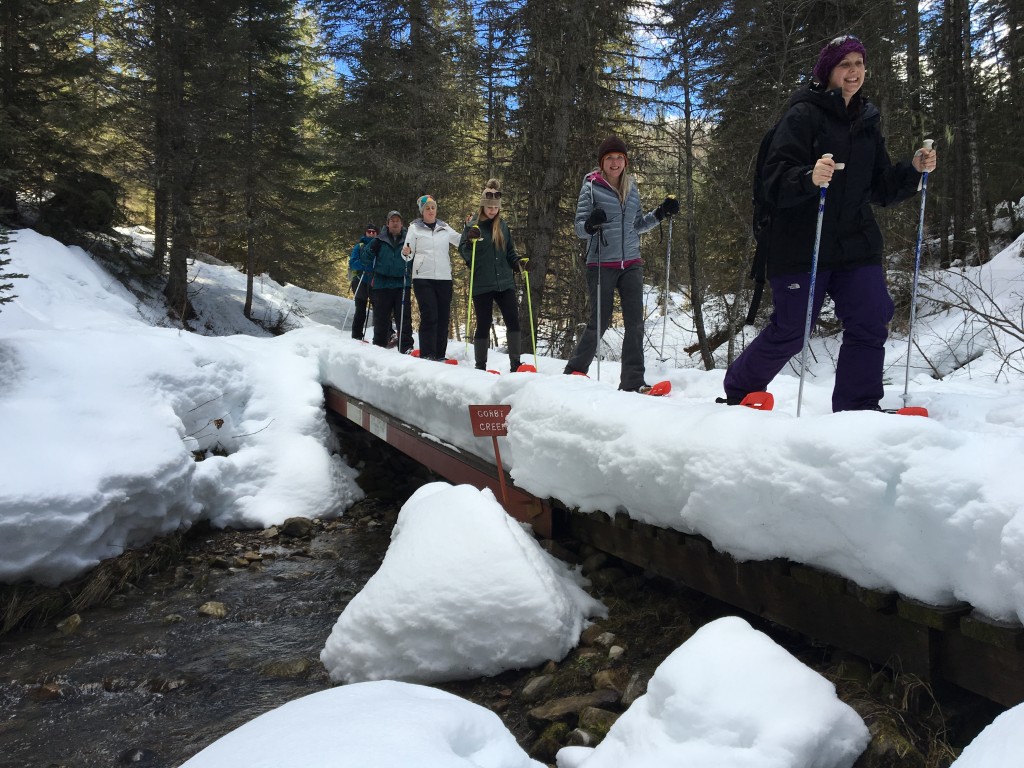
pixel 864 307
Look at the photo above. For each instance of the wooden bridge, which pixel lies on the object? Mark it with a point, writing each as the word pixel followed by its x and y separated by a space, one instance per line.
pixel 953 644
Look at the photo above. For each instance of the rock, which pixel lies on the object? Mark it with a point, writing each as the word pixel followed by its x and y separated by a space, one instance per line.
pixel 535 688
pixel 137 756
pixel 240 562
pixel 597 720
pixel 70 625
pixel 615 652
pixel 46 692
pixel 606 639
pixel 594 563
pixel 287 668
pixel 550 741
pixel 611 679
pixel 297 527
pixel 549 668
pixel 580 738
pixel 173 618
pixel 589 635
pixel 220 561
pixel 214 609
pixel 164 685
pixel 635 688
pixel 889 748
pixel 569 707
pixel 271 533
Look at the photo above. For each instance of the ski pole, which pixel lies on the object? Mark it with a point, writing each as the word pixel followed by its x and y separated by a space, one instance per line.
pixel 401 316
pixel 668 268
pixel 469 304
pixel 810 291
pixel 598 330
pixel 355 298
pixel 529 307
pixel 917 268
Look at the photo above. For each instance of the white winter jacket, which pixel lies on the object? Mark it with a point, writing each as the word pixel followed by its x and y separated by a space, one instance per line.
pixel 430 250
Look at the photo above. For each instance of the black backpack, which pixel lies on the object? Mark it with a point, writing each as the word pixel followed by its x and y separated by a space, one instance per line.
pixel 763 211
pixel 761 223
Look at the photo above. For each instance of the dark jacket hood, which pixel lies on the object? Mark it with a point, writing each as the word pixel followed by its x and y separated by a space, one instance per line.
pixel 832 104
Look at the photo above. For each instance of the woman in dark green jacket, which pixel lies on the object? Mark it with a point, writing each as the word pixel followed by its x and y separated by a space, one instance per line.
pixel 493 267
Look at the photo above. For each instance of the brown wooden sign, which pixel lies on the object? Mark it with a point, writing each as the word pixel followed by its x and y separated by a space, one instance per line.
pixel 489 420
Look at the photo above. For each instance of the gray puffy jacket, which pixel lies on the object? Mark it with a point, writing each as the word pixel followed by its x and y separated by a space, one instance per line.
pixel 618 240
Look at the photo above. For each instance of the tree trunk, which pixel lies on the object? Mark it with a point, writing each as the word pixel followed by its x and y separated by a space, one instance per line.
pixel 696 291
pixel 560 65
pixel 981 225
pixel 8 87
pixel 913 17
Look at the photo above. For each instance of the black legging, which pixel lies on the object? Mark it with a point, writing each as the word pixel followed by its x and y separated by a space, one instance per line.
pixel 434 298
pixel 483 304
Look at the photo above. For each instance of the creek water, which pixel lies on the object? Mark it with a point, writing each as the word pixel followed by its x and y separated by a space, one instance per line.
pixel 147 680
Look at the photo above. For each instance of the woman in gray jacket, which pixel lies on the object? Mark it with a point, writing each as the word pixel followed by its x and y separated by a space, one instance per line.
pixel 610 219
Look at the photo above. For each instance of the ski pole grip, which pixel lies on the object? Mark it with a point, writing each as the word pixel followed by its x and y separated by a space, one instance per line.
pixel 839 166
pixel 928 144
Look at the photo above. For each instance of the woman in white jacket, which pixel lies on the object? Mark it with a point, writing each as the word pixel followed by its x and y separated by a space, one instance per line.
pixel 427 245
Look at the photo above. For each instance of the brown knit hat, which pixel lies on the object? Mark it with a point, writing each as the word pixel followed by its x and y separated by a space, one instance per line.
pixel 491 194
pixel 609 145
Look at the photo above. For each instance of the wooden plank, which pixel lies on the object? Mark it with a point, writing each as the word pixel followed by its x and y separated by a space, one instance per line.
pixel 935 616
pixel 1002 634
pixel 988 670
pixel 767 590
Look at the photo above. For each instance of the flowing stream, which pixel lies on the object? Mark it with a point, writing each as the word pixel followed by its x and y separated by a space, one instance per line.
pixel 148 680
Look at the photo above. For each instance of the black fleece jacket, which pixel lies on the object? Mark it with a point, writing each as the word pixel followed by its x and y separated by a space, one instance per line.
pixel 818 122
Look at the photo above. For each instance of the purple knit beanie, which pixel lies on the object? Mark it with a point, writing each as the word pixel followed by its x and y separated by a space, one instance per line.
pixel 833 53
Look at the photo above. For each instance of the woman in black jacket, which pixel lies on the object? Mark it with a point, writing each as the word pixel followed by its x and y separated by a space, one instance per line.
pixel 829 117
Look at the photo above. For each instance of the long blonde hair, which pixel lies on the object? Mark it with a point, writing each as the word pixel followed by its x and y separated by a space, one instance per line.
pixel 497 236
pixel 625 185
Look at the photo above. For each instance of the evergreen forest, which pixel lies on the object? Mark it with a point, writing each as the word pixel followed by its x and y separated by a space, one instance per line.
pixel 268 133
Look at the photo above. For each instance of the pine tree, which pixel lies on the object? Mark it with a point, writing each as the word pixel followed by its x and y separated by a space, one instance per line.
pixel 6 287
pixel 44 120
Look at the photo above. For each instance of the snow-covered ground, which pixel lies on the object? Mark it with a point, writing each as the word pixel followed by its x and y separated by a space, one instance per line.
pixel 104 408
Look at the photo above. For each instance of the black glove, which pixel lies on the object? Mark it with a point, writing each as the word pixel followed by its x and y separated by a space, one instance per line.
pixel 518 266
pixel 474 232
pixel 374 248
pixel 669 207
pixel 596 218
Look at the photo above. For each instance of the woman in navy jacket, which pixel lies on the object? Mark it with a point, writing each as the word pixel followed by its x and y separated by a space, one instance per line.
pixel 829 116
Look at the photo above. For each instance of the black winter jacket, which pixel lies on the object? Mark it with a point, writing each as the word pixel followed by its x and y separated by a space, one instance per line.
pixel 817 123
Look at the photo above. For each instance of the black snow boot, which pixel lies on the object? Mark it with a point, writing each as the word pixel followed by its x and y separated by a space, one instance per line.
pixel 514 341
pixel 480 353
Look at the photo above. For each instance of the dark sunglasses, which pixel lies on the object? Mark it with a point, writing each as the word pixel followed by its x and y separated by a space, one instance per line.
pixel 489 195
